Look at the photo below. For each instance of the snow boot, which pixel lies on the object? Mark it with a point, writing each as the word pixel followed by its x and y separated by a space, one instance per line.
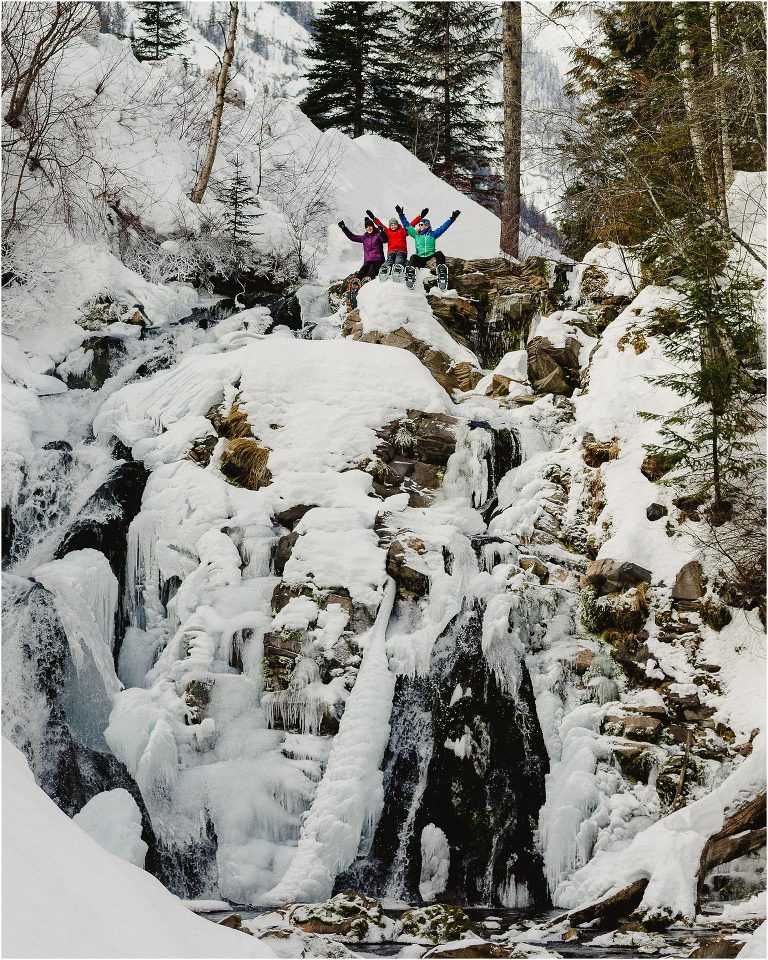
pixel 354 286
pixel 384 273
pixel 410 276
pixel 397 272
pixel 442 276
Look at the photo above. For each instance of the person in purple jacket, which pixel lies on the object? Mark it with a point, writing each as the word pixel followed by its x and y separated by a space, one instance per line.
pixel 373 248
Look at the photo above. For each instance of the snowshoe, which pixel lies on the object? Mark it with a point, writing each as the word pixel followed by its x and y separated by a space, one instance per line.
pixel 384 273
pixel 354 286
pixel 397 272
pixel 410 276
pixel 442 276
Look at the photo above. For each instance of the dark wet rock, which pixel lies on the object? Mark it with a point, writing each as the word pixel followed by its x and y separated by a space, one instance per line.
pixel 291 516
pixel 286 311
pixel 108 354
pixel 411 581
pixel 485 799
pixel 655 511
pixel 201 451
pixel 282 552
pixel 103 524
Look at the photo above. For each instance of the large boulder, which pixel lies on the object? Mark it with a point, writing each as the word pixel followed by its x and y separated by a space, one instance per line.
pixel 611 576
pixel 688 584
pixel 553 369
pixel 349 915
pixel 439 364
pixel 439 923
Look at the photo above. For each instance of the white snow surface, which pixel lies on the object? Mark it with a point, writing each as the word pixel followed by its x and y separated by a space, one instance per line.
pixel 756 947
pixel 113 820
pixel 55 876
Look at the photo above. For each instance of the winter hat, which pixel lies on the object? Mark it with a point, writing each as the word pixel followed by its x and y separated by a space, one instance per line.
pixel 368 222
pixel 395 224
pixel 425 223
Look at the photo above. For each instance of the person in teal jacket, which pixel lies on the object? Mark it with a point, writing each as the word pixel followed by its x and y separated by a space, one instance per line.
pixel 425 237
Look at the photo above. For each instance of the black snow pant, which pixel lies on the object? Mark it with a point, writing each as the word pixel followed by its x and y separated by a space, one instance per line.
pixel 370 269
pixel 396 257
pixel 417 261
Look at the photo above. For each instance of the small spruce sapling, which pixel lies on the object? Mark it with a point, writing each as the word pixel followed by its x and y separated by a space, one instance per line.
pixel 159 30
pixel 240 211
pixel 709 441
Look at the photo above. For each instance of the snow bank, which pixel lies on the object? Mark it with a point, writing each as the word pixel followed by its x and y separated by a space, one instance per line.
pixel 609 267
pixel 756 946
pixel 55 876
pixel 668 852
pixel 618 391
pixel 113 820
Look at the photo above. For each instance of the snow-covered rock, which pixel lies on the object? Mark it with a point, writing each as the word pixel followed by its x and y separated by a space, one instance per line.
pixel 113 820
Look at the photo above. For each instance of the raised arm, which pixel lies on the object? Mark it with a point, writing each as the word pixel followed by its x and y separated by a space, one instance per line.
pixel 421 216
pixel 444 226
pixel 356 237
pixel 408 227
pixel 375 219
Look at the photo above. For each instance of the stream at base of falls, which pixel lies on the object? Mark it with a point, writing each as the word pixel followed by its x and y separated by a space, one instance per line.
pixel 492 925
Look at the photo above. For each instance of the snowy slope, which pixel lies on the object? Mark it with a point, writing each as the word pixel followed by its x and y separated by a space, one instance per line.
pixel 269 53
pixel 64 896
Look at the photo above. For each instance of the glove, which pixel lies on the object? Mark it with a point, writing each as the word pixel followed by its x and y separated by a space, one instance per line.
pixel 370 214
pixel 424 212
pixel 399 210
pixel 341 224
pixel 455 214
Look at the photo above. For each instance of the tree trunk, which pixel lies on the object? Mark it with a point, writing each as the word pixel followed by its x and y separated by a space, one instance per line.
pixel 512 39
pixel 698 142
pixel 447 97
pixel 218 107
pixel 725 164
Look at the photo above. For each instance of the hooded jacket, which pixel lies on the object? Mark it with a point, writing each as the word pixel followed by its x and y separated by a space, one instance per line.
pixel 397 240
pixel 373 244
pixel 425 242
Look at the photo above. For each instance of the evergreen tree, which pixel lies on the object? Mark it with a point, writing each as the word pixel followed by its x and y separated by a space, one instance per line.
pixel 211 30
pixel 160 30
pixel 654 103
pixel 357 82
pixel 241 208
pixel 454 49
pixel 712 339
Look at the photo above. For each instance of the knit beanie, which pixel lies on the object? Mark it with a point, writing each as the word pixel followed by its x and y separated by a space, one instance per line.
pixel 368 222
